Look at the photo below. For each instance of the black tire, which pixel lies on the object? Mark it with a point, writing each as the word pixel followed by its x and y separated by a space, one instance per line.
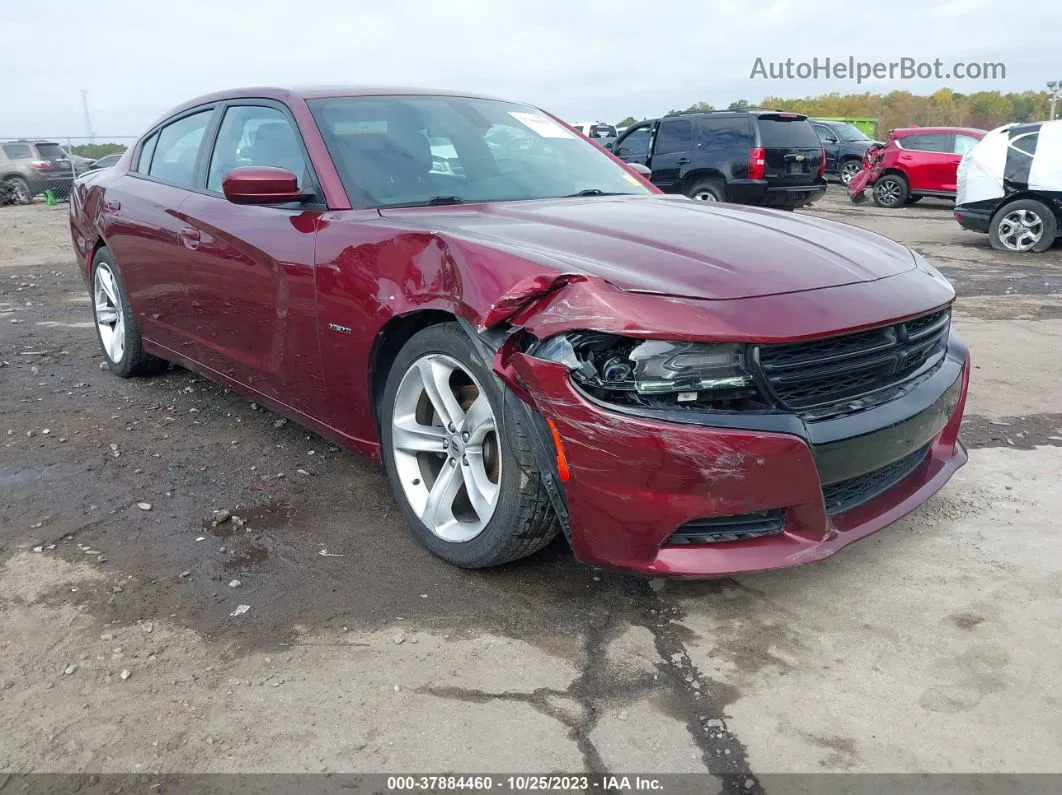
pixel 891 191
pixel 20 189
pixel 913 200
pixel 1047 226
pixel 523 521
pixel 133 361
pixel 702 189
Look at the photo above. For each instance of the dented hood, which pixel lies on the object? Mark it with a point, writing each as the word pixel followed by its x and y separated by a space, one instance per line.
pixel 673 246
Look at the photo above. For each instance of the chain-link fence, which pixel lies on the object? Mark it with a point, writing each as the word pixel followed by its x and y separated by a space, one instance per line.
pixel 44 169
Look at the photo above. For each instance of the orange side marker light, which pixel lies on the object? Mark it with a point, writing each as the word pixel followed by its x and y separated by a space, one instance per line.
pixel 562 460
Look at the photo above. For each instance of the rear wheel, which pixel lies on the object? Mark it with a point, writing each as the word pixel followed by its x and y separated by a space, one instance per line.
pixel 708 190
pixel 116 328
pixel 1024 225
pixel 891 191
pixel 849 168
pixel 458 456
pixel 20 190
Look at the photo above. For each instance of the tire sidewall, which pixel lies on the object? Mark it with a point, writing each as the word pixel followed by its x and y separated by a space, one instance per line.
pixel 450 340
pixel 123 367
pixel 708 186
pixel 900 182
pixel 1046 214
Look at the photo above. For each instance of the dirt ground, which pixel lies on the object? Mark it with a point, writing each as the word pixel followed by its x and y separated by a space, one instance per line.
pixel 126 646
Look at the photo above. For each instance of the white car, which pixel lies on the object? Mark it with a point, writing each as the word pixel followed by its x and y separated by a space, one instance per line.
pixel 605 134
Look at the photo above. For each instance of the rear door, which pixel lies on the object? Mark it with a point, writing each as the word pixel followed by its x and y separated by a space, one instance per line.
pixel 671 151
pixel 928 161
pixel 792 151
pixel 831 144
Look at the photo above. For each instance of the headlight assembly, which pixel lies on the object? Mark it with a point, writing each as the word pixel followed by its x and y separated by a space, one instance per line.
pixel 656 373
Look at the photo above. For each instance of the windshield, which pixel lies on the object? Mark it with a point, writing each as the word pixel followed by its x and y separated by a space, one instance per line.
pixel 409 150
pixel 850 133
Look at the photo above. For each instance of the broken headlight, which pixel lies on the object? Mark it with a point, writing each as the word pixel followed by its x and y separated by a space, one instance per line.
pixel 656 373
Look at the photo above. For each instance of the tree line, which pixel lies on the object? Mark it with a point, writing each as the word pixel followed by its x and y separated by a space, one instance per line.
pixel 947 108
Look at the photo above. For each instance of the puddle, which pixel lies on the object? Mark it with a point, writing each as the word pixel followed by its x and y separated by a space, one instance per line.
pixel 245 528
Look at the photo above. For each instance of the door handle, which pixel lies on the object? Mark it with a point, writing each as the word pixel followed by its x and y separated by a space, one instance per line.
pixel 189 237
pixel 112 205
pixel 683 161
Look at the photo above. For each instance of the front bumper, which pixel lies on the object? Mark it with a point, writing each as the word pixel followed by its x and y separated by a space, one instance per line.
pixel 635 480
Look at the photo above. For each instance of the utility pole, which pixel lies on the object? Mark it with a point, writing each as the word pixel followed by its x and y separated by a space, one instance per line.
pixel 1055 87
pixel 88 119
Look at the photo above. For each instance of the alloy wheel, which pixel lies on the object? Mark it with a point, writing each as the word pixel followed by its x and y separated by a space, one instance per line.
pixel 888 192
pixel 110 318
pixel 848 171
pixel 705 196
pixel 446 448
pixel 1020 230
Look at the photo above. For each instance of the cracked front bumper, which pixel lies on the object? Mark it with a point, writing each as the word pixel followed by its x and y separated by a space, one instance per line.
pixel 635 479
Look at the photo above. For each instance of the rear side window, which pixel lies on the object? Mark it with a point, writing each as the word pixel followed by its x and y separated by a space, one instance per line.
pixel 675 135
pixel 178 148
pixel 926 142
pixel 18 151
pixel 50 151
pixel 779 132
pixel 726 131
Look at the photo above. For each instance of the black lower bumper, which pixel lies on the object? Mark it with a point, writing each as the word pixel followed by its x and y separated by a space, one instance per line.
pixel 975 219
pixel 764 194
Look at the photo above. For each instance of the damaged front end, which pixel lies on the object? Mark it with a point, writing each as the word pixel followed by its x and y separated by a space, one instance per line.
pixel 675 456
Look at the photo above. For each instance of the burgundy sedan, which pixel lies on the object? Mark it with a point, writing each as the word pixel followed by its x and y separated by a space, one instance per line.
pixel 529 337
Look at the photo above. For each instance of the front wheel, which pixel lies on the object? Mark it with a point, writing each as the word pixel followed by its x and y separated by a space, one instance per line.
pixel 891 191
pixel 458 458
pixel 1024 225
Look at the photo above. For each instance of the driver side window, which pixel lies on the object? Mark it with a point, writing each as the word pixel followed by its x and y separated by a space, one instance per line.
pixel 253 135
pixel 636 144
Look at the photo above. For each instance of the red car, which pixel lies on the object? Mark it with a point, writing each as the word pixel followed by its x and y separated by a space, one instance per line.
pixel 529 336
pixel 920 161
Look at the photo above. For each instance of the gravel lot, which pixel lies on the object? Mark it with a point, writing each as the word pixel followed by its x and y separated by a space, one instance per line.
pixel 932 646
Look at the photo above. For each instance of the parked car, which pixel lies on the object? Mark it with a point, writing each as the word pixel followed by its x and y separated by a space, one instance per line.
pixel 844 145
pixel 602 132
pixel 106 161
pixel 1010 186
pixel 32 167
pixel 540 344
pixel 918 162
pixel 758 157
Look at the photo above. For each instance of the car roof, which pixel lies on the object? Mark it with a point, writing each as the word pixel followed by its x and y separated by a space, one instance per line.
pixel 288 94
pixel 901 132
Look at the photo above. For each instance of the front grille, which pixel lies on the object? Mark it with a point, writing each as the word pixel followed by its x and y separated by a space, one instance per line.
pixel 728 528
pixel 831 376
pixel 847 494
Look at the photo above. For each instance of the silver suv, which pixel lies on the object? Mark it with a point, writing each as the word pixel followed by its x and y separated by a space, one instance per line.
pixel 32 167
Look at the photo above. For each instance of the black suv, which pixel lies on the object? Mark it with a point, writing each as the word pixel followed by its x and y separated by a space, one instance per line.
pixel 766 157
pixel 844 145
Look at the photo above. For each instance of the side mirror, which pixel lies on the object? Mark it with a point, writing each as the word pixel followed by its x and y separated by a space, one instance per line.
pixel 261 185
pixel 640 170
pixel 830 139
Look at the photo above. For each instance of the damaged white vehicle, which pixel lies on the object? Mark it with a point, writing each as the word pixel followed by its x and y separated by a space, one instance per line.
pixel 1010 186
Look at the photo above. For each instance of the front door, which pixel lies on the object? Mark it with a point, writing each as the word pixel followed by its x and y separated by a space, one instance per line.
pixel 633 147
pixel 831 145
pixel 251 276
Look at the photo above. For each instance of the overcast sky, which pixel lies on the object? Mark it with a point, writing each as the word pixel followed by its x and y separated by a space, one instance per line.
pixel 581 60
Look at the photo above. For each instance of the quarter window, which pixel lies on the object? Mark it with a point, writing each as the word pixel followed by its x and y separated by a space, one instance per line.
pixel 964 143
pixel 18 151
pixel 255 135
pixel 177 150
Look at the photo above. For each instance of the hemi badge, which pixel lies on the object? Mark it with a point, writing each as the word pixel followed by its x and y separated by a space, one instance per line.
pixel 339 328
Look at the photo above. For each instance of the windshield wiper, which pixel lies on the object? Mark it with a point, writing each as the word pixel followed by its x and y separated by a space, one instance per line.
pixel 596 192
pixel 433 201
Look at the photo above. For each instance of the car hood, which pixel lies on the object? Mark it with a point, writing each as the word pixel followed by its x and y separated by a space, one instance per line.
pixel 673 245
